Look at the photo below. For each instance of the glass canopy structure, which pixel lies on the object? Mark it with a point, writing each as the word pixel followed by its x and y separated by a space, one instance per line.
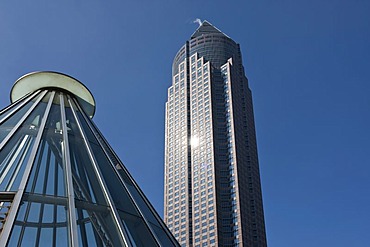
pixel 61 184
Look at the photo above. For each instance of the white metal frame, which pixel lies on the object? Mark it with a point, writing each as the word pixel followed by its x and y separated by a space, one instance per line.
pixel 68 176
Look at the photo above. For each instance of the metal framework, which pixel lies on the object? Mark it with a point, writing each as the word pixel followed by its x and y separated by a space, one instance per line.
pixel 61 184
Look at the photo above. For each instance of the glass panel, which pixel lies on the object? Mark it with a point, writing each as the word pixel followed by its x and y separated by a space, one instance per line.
pixel 62 237
pixel 130 217
pixel 32 228
pixel 47 216
pixel 94 218
pixel 161 235
pixel 139 200
pixel 145 210
pixel 46 237
pixel 15 154
pixel 148 214
pixel 92 227
pixel 137 229
pixel 15 236
pixel 29 236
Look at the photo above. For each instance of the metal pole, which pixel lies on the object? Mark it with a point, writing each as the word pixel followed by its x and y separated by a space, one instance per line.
pixel 68 173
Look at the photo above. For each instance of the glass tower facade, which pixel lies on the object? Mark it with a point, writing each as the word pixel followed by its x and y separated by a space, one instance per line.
pixel 61 184
pixel 212 182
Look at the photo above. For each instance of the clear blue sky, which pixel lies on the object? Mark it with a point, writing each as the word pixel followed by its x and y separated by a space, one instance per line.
pixel 308 63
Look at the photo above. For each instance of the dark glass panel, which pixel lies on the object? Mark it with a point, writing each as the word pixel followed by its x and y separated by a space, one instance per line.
pixel 145 210
pixel 85 181
pixel 87 236
pixel 129 215
pixel 91 203
pixel 161 235
pixel 137 229
pixel 95 227
pixel 148 214
pixel 139 200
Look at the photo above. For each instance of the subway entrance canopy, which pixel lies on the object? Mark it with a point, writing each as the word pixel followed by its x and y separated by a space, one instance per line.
pixel 61 184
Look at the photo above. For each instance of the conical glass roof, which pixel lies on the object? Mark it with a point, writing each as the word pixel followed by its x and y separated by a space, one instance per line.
pixel 61 184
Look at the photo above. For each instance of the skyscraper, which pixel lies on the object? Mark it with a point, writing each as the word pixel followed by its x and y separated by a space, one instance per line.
pixel 212 182
pixel 61 184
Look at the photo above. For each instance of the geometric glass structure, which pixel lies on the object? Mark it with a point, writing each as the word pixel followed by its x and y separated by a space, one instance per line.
pixel 212 182
pixel 61 184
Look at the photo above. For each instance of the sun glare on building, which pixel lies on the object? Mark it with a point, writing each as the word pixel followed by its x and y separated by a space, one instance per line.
pixel 194 141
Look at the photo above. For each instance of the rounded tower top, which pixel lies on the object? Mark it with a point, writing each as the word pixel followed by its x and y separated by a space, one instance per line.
pixel 48 79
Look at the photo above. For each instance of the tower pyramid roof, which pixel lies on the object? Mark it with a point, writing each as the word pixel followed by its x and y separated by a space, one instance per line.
pixel 206 28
